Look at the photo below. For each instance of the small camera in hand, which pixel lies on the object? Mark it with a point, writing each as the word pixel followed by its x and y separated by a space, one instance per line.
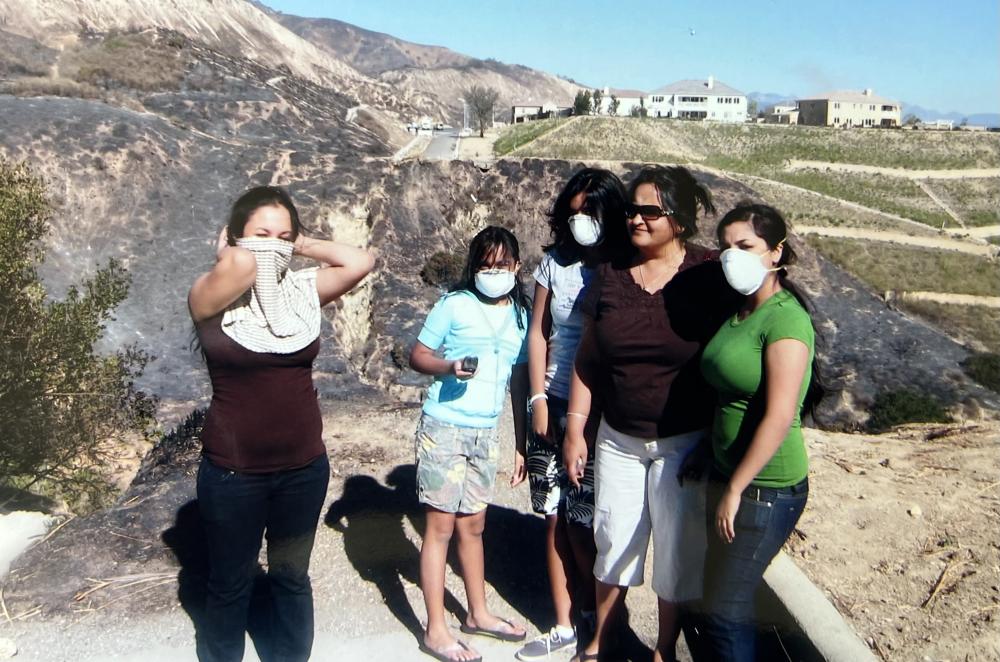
pixel 470 363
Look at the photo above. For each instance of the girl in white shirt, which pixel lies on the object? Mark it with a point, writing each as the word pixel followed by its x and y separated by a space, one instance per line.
pixel 588 226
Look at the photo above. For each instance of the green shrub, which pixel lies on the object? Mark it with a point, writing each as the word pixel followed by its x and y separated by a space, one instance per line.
pixel 985 369
pixel 65 411
pixel 443 269
pixel 893 408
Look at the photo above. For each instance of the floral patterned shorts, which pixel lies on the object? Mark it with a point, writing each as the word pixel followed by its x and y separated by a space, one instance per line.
pixel 456 466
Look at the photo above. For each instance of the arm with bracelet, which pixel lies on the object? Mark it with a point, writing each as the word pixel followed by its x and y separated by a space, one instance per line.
pixel 538 348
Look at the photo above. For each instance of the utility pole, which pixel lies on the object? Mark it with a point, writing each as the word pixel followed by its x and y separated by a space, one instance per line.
pixel 465 113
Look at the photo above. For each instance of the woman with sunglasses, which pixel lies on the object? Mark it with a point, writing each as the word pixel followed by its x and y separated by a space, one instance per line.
pixel 649 316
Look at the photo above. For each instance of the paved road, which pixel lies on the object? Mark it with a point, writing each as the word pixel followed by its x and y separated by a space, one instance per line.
pixel 443 146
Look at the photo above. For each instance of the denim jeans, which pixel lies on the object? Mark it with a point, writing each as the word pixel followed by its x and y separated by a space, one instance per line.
pixel 237 510
pixel 733 571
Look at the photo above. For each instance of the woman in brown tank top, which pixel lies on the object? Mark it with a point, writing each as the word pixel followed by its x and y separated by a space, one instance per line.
pixel 264 467
pixel 648 317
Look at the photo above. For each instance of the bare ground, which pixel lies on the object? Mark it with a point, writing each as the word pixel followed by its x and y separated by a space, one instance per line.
pixel 901 533
pixel 474 148
pixel 949 297
pixel 942 243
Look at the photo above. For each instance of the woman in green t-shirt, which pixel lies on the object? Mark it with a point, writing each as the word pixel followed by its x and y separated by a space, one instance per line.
pixel 760 363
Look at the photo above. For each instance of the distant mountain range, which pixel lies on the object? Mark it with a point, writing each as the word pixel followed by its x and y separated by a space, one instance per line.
pixel 767 99
pixel 431 78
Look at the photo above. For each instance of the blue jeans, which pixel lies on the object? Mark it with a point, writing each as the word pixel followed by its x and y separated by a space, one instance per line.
pixel 733 572
pixel 237 510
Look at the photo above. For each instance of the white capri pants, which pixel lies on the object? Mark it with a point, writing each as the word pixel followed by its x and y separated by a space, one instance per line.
pixel 636 491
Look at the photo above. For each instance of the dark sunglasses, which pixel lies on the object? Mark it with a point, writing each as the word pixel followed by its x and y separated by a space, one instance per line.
pixel 648 212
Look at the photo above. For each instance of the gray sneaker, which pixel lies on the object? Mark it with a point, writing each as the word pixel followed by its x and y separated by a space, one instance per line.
pixel 543 646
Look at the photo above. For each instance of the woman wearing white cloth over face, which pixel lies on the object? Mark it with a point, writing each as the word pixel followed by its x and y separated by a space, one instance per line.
pixel 264 467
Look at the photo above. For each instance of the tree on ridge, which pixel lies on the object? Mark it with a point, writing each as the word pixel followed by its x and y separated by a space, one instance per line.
pixel 481 101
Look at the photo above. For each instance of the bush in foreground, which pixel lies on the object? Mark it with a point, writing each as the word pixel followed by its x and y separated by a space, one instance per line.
pixel 65 411
pixel 892 408
pixel 985 369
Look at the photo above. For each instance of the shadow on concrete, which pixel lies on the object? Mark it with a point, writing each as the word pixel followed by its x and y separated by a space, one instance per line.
pixel 371 515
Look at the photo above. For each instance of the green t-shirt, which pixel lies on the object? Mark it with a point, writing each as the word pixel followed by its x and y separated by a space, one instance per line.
pixel 733 363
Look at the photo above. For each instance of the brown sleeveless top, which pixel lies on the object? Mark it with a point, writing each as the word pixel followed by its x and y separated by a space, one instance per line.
pixel 649 345
pixel 264 414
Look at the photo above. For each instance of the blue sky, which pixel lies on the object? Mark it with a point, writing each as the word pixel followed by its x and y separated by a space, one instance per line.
pixel 940 54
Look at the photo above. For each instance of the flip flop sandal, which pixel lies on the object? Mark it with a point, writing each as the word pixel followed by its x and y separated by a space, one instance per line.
pixel 496 634
pixel 442 654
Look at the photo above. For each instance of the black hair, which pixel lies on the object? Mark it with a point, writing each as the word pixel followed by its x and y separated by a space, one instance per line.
pixel 768 224
pixel 252 200
pixel 491 239
pixel 244 207
pixel 680 193
pixel 606 201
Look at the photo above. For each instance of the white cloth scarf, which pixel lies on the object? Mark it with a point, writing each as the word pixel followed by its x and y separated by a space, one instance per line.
pixel 280 313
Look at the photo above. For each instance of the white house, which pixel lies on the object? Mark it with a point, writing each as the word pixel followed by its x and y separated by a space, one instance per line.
pixel 627 100
pixel 708 99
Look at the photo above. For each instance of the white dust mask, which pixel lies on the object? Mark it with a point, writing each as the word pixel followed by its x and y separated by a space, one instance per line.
pixel 586 229
pixel 495 284
pixel 744 270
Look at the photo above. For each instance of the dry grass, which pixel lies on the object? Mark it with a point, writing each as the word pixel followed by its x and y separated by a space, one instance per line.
pixel 886 266
pixel 755 148
pixel 603 139
pixel 142 61
pixel 813 210
pixel 976 201
pixel 521 134
pixel 42 86
pixel 894 195
pixel 977 326
pixel 20 56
